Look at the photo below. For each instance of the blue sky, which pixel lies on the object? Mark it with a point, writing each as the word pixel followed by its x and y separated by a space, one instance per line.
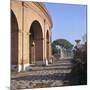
pixel 69 21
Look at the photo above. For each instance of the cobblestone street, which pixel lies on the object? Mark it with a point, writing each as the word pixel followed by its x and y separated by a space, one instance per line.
pixel 53 75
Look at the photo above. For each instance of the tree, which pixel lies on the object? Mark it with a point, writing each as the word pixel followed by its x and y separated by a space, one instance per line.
pixel 62 42
pixel 54 49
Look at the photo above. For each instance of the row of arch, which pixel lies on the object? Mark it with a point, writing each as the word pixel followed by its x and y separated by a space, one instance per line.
pixel 35 41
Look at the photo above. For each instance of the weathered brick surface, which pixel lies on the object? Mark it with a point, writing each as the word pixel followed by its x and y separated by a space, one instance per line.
pixel 26 13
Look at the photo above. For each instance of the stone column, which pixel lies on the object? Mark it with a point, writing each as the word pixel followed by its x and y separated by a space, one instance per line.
pixel 61 53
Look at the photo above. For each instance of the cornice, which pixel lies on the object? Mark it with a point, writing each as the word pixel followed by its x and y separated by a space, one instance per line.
pixel 42 7
pixel 44 10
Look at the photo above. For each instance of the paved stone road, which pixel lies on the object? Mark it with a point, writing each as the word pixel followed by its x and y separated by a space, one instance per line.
pixel 53 75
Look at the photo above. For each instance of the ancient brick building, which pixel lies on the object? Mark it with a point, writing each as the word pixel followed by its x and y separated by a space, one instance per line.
pixel 31 27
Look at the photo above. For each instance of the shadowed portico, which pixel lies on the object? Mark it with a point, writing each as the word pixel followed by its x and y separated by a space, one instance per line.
pixel 14 40
pixel 35 43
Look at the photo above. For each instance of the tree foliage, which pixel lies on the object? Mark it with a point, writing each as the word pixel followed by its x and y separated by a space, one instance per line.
pixel 62 42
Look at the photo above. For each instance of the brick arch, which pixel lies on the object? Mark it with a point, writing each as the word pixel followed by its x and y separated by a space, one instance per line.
pixel 39 20
pixel 14 39
pixel 35 42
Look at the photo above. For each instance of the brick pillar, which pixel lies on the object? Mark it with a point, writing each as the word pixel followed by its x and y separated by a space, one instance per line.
pixel 19 51
pixel 50 53
pixel 25 51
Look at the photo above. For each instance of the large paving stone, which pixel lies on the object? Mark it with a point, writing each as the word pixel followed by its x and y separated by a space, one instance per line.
pixel 38 77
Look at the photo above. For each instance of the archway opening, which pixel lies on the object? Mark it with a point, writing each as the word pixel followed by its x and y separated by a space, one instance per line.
pixel 47 45
pixel 36 43
pixel 14 40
